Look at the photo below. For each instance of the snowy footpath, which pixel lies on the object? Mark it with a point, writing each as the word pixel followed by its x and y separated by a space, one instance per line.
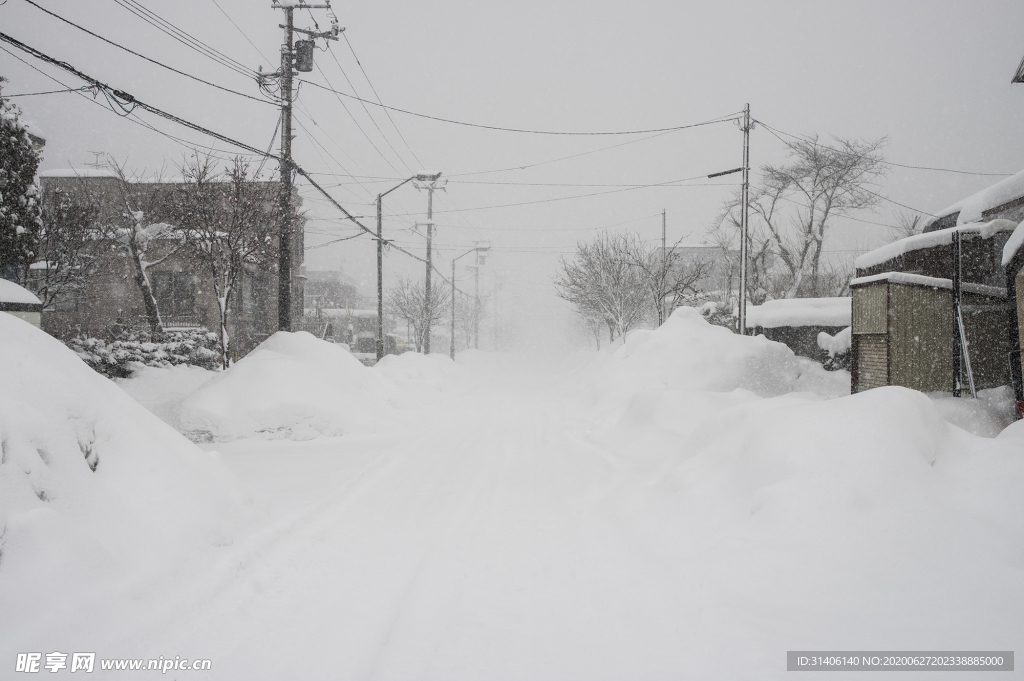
pixel 689 506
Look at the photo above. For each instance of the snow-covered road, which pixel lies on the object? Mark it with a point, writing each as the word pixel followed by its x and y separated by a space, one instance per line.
pixel 691 506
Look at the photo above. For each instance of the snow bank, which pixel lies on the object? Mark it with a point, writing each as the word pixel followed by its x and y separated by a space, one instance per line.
pixel 294 386
pixel 12 293
pixel 161 390
pixel 942 237
pixel 801 312
pixel 93 488
pixel 413 371
pixel 688 353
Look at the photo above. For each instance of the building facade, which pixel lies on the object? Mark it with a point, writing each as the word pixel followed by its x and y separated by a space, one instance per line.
pixel 109 301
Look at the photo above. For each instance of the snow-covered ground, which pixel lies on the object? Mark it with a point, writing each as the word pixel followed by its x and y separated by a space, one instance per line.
pixel 689 506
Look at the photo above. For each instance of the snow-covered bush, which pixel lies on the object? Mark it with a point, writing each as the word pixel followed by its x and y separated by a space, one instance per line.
pixel 197 347
pixel 720 315
pixel 838 349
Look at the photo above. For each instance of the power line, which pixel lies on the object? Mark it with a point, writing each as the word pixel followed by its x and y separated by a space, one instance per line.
pixel 50 92
pixel 826 146
pixel 142 56
pixel 721 119
pixel 892 163
pixel 258 50
pixel 379 102
pixel 185 38
pixel 670 183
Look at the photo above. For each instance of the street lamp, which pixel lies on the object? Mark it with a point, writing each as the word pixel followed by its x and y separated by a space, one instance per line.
pixel 481 251
pixel 422 177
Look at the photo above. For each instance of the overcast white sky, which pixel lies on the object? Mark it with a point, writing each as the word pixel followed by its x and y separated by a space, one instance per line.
pixel 934 77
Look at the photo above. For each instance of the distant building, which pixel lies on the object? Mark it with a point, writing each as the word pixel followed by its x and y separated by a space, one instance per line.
pixel 110 302
pixel 722 278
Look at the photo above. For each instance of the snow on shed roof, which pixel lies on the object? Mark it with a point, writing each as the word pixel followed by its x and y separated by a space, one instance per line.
pixel 973 206
pixel 1014 244
pixel 942 237
pixel 931 282
pixel 13 293
pixel 801 312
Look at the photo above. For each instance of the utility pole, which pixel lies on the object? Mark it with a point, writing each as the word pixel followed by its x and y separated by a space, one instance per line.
pixel 427 310
pixel 476 307
pixel 380 257
pixel 480 251
pixel 664 255
pixel 284 243
pixel 744 209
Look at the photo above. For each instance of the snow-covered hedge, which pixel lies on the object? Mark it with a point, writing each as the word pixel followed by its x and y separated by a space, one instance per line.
pixel 196 347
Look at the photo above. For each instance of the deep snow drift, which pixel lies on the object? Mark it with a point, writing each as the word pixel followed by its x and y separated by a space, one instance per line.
pixel 94 489
pixel 689 506
pixel 292 386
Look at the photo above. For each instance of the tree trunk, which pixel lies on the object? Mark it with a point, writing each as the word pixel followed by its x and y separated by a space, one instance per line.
pixel 156 325
pixel 225 339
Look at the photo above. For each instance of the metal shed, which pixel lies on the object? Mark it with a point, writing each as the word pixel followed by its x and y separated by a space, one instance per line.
pixel 906 332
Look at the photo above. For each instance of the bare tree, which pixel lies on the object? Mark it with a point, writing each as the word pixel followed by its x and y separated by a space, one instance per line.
pixel 71 247
pixel 794 205
pixel 228 221
pixel 407 300
pixel 668 275
pixel 147 240
pixel 602 283
pixel 907 224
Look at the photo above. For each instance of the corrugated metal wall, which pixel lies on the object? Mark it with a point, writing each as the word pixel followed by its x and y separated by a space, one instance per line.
pixel 872 362
pixel 921 338
pixel 870 305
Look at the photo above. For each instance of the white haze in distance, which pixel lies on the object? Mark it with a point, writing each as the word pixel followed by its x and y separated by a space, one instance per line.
pixel 932 76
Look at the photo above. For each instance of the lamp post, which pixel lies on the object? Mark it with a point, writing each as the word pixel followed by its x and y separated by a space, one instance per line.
pixel 422 177
pixel 476 249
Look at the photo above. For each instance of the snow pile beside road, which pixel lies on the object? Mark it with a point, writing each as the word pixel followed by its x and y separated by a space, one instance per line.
pixel 688 353
pixel 161 390
pixel 94 489
pixel 412 371
pixel 292 386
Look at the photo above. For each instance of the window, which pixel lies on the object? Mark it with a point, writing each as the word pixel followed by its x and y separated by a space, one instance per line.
pixel 175 293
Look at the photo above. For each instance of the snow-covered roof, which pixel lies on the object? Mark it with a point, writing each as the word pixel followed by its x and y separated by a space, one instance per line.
pixel 78 172
pixel 973 206
pixel 801 312
pixel 931 282
pixel 1014 244
pixel 345 312
pixel 13 293
pixel 942 237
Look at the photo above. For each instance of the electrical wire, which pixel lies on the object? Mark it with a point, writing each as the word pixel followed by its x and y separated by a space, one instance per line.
pixel 258 50
pixel 185 38
pixel 379 101
pixel 142 56
pixel 84 88
pixel 522 130
pixel 772 131
pixel 892 163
